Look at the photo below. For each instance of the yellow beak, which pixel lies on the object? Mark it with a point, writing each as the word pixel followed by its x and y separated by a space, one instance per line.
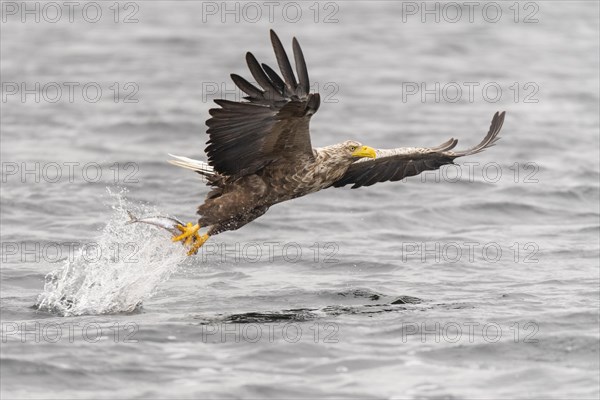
pixel 364 151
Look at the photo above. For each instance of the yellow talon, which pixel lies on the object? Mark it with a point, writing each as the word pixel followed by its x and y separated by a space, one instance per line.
pixel 188 232
pixel 190 237
pixel 200 240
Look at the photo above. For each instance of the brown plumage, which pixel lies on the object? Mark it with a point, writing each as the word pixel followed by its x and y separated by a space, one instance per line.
pixel 260 152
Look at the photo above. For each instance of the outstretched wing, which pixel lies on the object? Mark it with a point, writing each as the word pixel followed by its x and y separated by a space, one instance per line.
pixel 396 164
pixel 272 124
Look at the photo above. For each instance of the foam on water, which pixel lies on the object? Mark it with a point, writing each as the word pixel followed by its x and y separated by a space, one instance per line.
pixel 118 270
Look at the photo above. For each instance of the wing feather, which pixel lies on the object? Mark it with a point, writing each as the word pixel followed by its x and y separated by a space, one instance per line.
pixel 273 121
pixel 284 63
pixel 396 164
pixel 275 79
pixel 262 79
pixel 246 87
pixel 301 67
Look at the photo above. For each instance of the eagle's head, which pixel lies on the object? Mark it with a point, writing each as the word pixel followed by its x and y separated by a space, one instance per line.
pixel 354 150
pixel 338 157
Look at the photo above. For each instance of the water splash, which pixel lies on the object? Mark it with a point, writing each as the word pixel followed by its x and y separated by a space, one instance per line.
pixel 116 272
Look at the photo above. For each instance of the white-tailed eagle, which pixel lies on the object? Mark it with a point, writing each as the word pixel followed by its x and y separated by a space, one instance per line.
pixel 260 153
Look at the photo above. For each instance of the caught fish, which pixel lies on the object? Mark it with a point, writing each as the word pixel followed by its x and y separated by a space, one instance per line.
pixel 175 228
pixel 167 223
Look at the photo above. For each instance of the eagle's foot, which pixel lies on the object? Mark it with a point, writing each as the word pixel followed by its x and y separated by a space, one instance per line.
pixel 189 233
pixel 199 241
pixel 190 237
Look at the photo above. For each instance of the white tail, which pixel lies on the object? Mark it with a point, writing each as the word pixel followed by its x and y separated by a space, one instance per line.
pixel 194 165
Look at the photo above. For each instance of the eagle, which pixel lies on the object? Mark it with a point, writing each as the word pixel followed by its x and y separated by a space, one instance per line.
pixel 260 152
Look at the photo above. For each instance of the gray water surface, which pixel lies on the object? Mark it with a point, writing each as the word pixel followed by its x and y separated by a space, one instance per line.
pixel 478 282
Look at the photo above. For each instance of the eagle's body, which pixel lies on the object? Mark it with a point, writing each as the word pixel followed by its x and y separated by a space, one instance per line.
pixel 260 152
pixel 235 202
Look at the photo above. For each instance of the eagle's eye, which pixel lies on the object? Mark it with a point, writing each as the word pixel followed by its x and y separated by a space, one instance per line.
pixel 352 148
